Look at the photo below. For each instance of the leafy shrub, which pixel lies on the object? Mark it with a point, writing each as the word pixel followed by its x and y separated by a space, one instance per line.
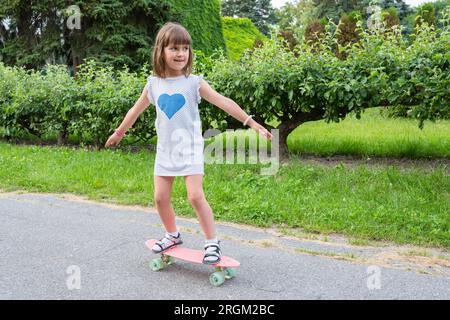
pixel 90 106
pixel 348 31
pixel 288 87
pixel 314 31
pixel 240 35
pixel 276 84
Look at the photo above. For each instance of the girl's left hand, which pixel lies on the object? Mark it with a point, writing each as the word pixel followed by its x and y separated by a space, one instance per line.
pixel 263 131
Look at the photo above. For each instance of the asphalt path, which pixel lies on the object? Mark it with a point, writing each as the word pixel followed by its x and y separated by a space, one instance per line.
pixel 53 247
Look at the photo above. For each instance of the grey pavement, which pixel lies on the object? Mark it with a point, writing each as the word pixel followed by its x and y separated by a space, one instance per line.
pixel 53 247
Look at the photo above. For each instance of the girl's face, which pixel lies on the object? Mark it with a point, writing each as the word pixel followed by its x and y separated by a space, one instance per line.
pixel 176 58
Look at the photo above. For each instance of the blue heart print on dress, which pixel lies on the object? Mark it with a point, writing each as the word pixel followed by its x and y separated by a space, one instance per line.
pixel 171 104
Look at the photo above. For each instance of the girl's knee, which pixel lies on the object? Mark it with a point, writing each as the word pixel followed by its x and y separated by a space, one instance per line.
pixel 162 199
pixel 196 197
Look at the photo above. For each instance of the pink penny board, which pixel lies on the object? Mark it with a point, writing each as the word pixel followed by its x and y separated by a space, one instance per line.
pixel 194 256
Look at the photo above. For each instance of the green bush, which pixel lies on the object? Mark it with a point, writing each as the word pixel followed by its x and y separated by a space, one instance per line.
pixel 202 19
pixel 390 17
pixel 314 31
pixel 25 103
pixel 203 63
pixel 348 32
pixel 425 13
pixel 104 98
pixel 9 78
pixel 312 84
pixel 240 35
pixel 277 85
pixel 90 107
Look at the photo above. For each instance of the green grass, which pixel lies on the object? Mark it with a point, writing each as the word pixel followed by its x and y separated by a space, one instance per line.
pixel 372 135
pixel 410 206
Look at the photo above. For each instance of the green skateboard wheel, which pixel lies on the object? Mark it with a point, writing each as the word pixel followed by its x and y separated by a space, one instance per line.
pixel 230 273
pixel 156 264
pixel 217 278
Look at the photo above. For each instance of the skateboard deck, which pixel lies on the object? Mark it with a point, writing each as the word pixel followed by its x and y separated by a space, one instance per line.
pixel 225 268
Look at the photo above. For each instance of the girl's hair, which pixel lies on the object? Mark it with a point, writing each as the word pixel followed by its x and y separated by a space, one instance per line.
pixel 170 34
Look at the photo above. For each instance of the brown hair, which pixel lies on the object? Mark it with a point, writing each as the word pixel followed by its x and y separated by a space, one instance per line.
pixel 170 34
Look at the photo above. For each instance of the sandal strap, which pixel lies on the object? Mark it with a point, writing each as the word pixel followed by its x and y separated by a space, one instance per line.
pixel 215 252
pixel 168 237
pixel 208 245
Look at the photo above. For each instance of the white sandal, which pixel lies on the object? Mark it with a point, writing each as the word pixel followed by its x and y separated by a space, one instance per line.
pixel 212 253
pixel 166 243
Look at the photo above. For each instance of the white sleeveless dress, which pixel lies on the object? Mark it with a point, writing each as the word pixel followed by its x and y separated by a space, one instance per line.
pixel 179 150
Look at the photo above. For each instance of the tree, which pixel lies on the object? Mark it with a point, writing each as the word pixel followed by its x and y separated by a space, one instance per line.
pixel 313 33
pixel 265 15
pixel 402 8
pixel 280 87
pixel 333 9
pixel 390 17
pixel 440 7
pixel 293 18
pixel 30 32
pixel 261 12
pixel 113 32
pixel 347 32
pixel 425 13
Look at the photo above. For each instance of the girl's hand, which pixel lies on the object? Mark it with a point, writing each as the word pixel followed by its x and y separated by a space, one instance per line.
pixel 113 140
pixel 261 130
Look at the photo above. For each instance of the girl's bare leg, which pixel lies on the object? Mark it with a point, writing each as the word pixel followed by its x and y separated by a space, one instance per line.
pixel 163 191
pixel 194 186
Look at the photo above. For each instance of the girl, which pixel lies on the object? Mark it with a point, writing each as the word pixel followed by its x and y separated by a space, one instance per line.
pixel 176 94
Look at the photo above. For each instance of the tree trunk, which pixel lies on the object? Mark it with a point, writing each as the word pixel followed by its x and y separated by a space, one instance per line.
pixel 284 150
pixel 62 137
pixel 75 65
pixel 289 125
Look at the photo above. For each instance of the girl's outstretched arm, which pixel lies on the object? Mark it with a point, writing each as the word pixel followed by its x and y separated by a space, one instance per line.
pixel 230 107
pixel 141 104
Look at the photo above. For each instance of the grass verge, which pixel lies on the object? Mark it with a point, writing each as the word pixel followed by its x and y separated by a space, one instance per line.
pixel 363 202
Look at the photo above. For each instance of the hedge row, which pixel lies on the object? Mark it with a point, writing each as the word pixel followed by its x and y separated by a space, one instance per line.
pixel 240 34
pixel 202 19
pixel 89 107
pixel 51 101
pixel 272 83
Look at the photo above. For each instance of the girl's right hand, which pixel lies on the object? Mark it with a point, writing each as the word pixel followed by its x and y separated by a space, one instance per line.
pixel 113 140
pixel 261 130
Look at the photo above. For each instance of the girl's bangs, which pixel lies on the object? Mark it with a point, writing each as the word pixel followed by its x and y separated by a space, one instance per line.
pixel 176 37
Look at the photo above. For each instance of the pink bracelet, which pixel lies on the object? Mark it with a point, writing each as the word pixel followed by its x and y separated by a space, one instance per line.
pixel 248 118
pixel 119 133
